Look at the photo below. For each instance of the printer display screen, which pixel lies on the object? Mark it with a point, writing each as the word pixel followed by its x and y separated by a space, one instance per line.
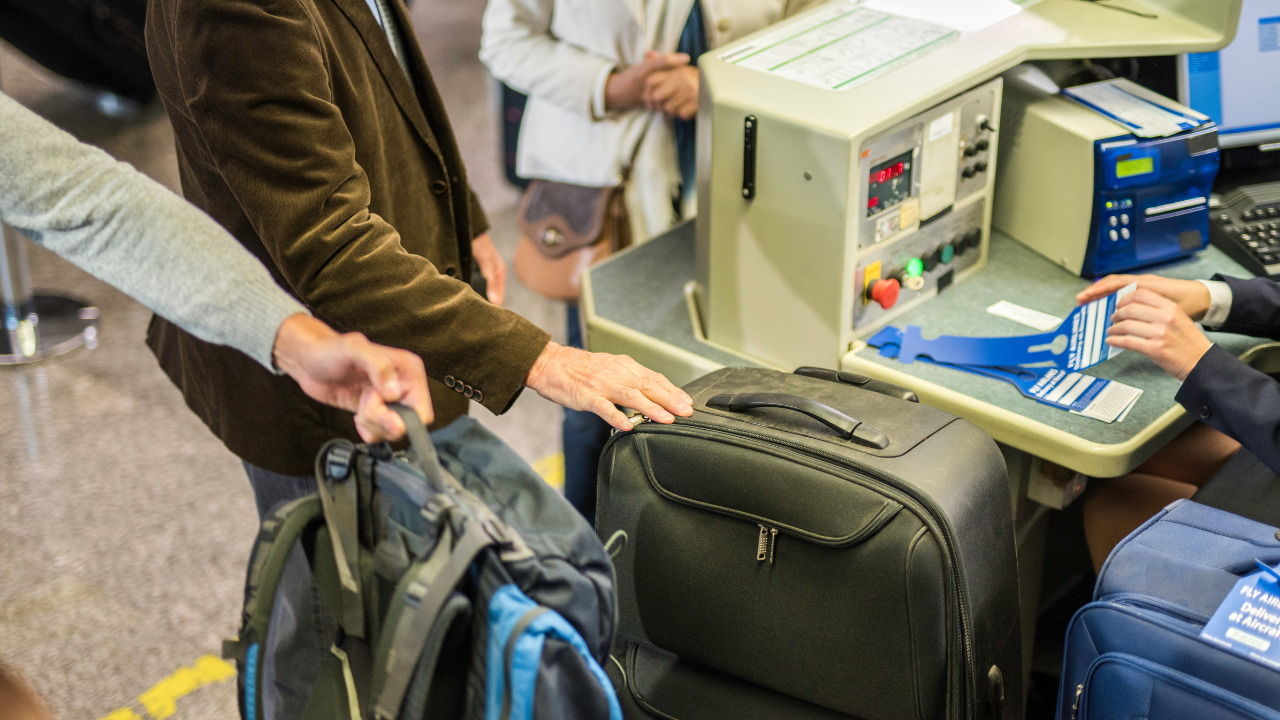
pixel 1134 166
pixel 889 184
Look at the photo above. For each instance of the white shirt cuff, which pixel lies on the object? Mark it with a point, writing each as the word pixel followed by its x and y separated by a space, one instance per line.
pixel 598 111
pixel 1219 303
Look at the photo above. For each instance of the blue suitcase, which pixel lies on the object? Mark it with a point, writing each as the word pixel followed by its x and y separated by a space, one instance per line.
pixel 1136 652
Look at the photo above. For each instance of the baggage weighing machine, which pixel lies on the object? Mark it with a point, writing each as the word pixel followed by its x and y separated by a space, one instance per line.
pixel 846 165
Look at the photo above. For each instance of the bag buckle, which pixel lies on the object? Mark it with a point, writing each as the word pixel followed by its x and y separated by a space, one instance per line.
pixel 338 462
pixel 552 237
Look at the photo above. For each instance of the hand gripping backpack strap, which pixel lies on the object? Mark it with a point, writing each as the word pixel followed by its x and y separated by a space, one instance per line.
pixel 341 515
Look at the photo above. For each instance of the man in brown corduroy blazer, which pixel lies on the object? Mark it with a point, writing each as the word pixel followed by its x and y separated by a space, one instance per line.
pixel 317 137
pixel 312 130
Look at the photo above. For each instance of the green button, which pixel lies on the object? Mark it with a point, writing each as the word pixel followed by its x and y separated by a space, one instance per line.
pixel 915 266
pixel 948 252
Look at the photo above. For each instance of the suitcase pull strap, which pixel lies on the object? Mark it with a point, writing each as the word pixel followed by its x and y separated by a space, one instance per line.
pixel 850 429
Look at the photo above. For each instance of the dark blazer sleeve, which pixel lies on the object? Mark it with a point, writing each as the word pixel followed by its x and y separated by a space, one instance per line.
pixel 264 107
pixel 1255 307
pixel 1228 395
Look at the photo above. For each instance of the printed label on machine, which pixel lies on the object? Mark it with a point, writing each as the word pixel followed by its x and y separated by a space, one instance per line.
pixel 1135 107
pixel 1078 343
pixel 1247 622
pixel 841 47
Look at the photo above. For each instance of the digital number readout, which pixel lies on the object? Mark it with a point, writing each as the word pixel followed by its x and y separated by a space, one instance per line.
pixel 1134 166
pixel 889 183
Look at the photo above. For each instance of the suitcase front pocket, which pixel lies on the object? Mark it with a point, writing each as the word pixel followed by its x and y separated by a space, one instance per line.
pixel 1121 687
pixel 774 569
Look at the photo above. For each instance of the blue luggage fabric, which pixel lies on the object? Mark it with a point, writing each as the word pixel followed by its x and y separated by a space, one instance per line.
pixel 1136 652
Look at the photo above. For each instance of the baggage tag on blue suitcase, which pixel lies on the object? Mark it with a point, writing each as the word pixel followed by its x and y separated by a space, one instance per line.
pixel 1247 622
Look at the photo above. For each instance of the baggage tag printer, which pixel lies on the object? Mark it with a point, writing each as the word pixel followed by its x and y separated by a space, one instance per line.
pixel 1088 190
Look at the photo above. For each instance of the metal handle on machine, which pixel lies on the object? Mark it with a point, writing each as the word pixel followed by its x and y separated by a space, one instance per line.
pixel 849 428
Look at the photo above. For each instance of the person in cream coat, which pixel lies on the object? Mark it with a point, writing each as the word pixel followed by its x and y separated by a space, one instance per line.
pixel 597 72
pixel 606 78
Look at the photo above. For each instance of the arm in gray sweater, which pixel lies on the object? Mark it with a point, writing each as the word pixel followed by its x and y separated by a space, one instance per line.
pixel 123 227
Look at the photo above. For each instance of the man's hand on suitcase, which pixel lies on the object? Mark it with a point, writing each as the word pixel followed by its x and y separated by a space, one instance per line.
pixel 581 380
pixel 349 372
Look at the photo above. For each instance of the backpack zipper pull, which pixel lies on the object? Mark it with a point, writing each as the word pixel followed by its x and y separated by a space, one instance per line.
pixel 773 542
pixel 762 546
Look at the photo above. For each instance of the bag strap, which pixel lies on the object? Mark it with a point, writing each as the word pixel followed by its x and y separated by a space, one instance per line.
pixel 435 578
pixel 635 152
pixel 420 441
pixel 341 515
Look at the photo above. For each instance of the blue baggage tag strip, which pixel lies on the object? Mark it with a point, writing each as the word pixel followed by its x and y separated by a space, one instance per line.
pixel 1247 622
pixel 1078 343
pixel 1092 397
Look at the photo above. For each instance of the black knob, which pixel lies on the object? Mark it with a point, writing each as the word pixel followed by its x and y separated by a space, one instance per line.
pixel 971 151
pixel 973 238
pixel 982 145
pixel 968 173
pixel 931 259
pixel 960 246
pixel 980 166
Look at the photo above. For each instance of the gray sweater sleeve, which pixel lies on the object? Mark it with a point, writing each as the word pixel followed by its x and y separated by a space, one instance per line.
pixel 121 226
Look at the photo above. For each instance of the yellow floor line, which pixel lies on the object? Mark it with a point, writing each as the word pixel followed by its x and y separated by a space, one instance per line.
pixel 161 701
pixel 551 468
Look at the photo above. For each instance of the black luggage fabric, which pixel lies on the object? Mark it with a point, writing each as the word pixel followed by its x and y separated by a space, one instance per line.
pixel 99 42
pixel 810 549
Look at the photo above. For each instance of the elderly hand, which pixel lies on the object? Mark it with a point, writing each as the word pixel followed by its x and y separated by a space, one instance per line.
pixel 581 380
pixel 1191 296
pixel 492 267
pixel 673 92
pixel 625 88
pixel 1158 327
pixel 349 372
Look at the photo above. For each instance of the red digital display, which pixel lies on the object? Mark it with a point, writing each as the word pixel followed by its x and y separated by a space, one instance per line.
pixel 872 202
pixel 888 173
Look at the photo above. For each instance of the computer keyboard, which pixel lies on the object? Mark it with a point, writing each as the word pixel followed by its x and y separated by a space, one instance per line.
pixel 1246 226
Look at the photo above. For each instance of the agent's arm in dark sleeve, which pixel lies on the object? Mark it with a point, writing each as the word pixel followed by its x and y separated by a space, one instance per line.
pixel 1228 395
pixel 1255 307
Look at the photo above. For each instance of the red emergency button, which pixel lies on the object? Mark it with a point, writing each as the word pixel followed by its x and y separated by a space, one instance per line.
pixel 885 292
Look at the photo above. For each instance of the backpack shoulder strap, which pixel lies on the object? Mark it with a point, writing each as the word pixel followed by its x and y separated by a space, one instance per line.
pixel 430 583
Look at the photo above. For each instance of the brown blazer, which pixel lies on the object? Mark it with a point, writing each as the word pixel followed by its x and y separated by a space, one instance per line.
pixel 298 131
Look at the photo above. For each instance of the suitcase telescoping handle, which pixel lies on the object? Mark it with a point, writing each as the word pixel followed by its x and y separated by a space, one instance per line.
pixel 849 428
pixel 862 381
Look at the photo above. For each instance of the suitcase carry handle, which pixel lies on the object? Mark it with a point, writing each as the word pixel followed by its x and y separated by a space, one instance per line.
pixel 862 381
pixel 849 428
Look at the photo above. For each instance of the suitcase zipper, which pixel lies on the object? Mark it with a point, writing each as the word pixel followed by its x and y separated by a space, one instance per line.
pixel 765 545
pixel 1075 706
pixel 931 511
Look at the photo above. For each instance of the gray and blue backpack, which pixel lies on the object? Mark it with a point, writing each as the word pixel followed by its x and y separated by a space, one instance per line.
pixel 452 582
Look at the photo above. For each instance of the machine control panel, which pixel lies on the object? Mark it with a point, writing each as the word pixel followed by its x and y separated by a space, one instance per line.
pixel 926 189
pixel 919 266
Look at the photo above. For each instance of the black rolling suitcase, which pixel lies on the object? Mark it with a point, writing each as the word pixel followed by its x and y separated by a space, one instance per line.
pixel 803 548
pixel 99 42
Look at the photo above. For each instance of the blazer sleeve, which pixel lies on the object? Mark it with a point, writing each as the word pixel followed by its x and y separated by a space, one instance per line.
pixel 1255 307
pixel 519 49
pixel 1228 395
pixel 262 101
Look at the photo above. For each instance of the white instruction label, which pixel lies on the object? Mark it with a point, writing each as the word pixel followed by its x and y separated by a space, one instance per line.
pixel 1043 322
pixel 1111 403
pixel 841 47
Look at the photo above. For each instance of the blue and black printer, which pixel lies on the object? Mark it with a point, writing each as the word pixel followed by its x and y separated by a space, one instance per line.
pixel 1105 178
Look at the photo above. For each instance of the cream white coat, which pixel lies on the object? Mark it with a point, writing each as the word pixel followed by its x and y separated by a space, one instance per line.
pixel 560 52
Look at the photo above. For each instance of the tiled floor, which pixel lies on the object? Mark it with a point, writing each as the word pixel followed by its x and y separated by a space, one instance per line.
pixel 124 524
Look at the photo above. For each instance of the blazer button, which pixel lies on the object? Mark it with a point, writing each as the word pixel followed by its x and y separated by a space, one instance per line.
pixel 479 397
pixel 439 187
pixel 1205 412
pixel 449 381
pixel 450 270
pixel 468 391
